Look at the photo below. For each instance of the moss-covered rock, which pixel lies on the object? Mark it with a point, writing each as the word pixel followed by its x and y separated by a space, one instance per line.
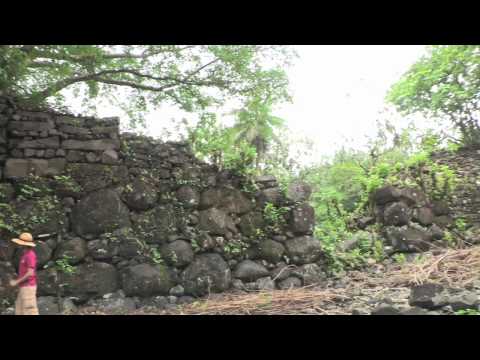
pixel 146 280
pixel 303 250
pixel 178 253
pixel 155 226
pixel 251 223
pixel 271 250
pixel 207 273
pixel 43 215
pixel 99 212
pixel 140 195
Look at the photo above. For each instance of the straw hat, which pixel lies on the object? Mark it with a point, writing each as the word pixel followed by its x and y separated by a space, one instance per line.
pixel 24 239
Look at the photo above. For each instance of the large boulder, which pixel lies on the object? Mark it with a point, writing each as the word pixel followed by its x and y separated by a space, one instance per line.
pixel 205 241
pixel 436 232
pixel 146 280
pixel 251 223
pixel 271 250
pixel 207 273
pixel 303 250
pixel 444 221
pixel 396 214
pixel 87 281
pixel 236 202
pixel 423 216
pixel 140 195
pixel 385 309
pixel 122 242
pixel 310 274
pixel 408 239
pixel 91 280
pixel 413 197
pixel 156 225
pixel 299 191
pixel 266 181
pixel 440 208
pixel 464 300
pixel 265 284
pixel 114 304
pixel 188 196
pixel 226 199
pixel 99 212
pixel 429 296
pixel 303 219
pixel 178 253
pixel 129 245
pixel 385 195
pixel 272 195
pixel 289 283
pixel 249 270
pixel 216 222
pixel 102 249
pixel 109 157
pixel 47 305
pixel 434 296
pixel 44 215
pixel 75 250
pixel 281 272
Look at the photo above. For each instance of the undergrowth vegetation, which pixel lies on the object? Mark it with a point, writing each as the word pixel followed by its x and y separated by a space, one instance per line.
pixel 343 186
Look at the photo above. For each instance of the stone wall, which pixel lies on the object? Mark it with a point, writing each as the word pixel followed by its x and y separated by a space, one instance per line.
pixel 117 211
pixel 409 220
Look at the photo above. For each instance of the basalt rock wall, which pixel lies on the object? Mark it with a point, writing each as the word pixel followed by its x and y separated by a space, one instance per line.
pixel 410 221
pixel 115 211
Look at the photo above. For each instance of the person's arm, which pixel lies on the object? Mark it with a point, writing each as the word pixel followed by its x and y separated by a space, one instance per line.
pixel 29 273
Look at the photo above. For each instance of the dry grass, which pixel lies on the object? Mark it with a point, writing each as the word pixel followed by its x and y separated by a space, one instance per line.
pixel 305 300
pixel 454 268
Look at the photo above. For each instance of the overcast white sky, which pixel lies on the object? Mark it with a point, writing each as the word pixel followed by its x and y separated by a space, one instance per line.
pixel 338 92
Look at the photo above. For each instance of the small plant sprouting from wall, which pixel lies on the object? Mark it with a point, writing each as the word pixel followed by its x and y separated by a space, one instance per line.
pixel 275 216
pixel 63 265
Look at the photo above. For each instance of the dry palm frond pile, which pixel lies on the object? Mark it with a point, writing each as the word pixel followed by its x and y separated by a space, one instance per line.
pixel 285 302
pixel 454 268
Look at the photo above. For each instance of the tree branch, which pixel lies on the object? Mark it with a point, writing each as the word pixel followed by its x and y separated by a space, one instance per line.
pixel 134 85
pixel 99 76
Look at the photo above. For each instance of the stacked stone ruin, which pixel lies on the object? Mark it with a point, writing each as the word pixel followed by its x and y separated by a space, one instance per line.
pixel 410 221
pixel 133 213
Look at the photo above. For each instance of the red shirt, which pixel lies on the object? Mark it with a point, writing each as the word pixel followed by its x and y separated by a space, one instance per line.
pixel 28 261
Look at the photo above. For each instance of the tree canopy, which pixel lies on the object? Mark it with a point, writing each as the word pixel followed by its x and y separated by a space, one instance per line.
pixel 193 77
pixel 444 83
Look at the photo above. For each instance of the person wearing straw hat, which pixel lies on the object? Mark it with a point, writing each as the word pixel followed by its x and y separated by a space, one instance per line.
pixel 26 303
